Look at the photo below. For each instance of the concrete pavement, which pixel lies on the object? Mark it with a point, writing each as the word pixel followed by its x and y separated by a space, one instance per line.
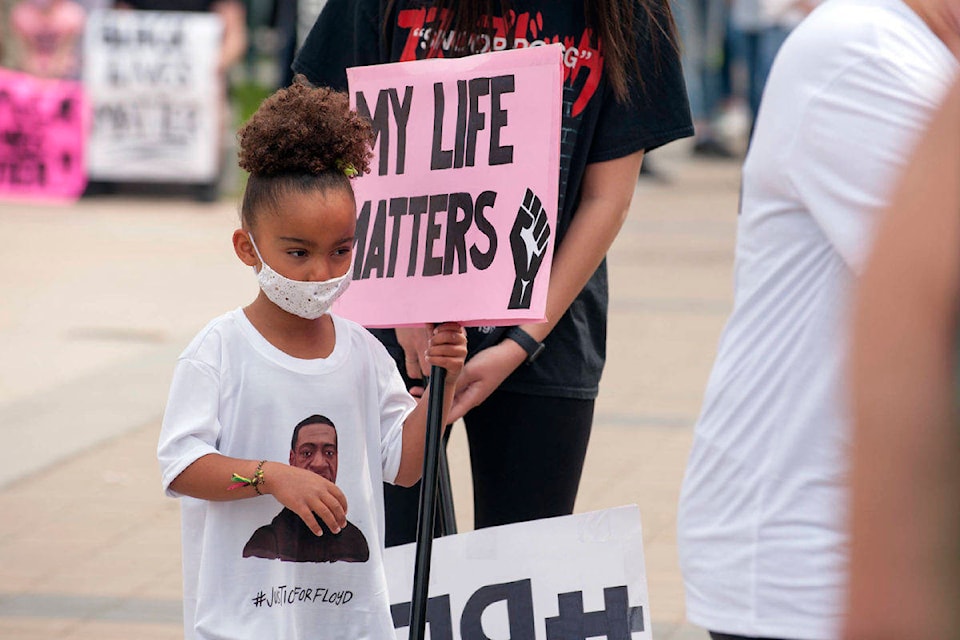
pixel 101 296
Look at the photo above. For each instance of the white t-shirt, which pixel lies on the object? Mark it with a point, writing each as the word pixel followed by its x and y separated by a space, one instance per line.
pixel 236 394
pixel 761 525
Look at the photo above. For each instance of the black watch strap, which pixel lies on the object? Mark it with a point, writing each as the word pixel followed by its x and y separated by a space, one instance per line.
pixel 530 344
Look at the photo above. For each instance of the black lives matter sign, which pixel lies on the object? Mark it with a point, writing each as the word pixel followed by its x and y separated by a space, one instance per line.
pixel 615 620
pixel 570 578
pixel 457 218
pixel 152 80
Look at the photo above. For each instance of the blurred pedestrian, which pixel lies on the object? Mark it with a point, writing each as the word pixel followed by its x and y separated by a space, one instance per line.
pixel 762 526
pixel 284 20
pixel 763 26
pixel 527 393
pixel 47 35
pixel 702 25
pixel 905 548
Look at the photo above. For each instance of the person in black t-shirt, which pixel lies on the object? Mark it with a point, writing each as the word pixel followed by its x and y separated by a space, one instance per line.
pixel 528 421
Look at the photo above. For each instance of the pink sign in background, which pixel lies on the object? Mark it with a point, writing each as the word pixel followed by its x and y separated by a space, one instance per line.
pixel 457 217
pixel 43 127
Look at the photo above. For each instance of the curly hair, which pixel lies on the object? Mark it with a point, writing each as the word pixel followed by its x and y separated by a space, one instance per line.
pixel 301 138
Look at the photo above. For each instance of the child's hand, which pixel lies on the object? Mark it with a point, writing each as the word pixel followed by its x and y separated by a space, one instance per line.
pixel 307 493
pixel 448 349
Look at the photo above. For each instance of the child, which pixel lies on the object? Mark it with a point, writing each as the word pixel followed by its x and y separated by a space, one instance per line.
pixel 255 397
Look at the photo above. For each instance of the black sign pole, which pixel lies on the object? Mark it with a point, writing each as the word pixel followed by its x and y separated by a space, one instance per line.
pixel 448 517
pixel 428 504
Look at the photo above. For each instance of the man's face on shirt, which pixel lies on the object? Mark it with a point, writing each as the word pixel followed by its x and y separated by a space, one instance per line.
pixel 316 450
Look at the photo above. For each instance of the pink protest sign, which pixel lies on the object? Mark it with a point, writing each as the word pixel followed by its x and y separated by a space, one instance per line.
pixel 457 217
pixel 42 136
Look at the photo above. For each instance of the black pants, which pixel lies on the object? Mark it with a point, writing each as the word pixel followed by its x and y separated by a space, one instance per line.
pixel 526 459
pixel 726 636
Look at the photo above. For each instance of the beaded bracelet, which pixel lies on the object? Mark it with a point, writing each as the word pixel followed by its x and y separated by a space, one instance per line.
pixel 255 481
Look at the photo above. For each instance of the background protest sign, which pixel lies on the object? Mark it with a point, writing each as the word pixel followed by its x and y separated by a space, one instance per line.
pixel 152 80
pixel 457 217
pixel 42 135
pixel 568 578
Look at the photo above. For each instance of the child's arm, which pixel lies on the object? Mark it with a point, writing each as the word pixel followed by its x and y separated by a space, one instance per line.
pixel 301 491
pixel 447 349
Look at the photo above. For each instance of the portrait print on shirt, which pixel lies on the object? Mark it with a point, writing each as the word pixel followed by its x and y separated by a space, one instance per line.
pixel 313 447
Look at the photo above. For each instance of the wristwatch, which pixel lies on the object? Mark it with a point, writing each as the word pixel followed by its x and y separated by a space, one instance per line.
pixel 530 344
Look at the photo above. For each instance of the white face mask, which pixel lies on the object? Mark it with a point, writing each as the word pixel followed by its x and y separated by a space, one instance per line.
pixel 308 300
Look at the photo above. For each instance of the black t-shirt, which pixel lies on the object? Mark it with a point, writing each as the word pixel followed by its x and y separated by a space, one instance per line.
pixel 596 127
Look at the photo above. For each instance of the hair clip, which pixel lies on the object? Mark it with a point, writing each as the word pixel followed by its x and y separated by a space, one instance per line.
pixel 347 168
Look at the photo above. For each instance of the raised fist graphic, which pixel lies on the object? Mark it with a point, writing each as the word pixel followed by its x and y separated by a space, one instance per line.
pixel 528 241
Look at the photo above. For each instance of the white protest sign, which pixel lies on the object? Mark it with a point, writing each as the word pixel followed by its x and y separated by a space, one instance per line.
pixel 152 79
pixel 569 578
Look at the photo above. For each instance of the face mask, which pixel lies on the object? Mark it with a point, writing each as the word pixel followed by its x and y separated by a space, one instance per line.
pixel 308 300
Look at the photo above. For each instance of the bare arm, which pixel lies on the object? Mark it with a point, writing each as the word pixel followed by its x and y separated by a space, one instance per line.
pixel 234 44
pixel 606 192
pixel 301 491
pixel 905 550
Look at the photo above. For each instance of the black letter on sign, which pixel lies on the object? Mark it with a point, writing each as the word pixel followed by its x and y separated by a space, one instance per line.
pixel 439 158
pixel 498 120
pixel 398 208
pixel 461 124
pixel 432 265
pixel 418 207
pixel 376 250
pixel 381 124
pixel 616 622
pixel 360 239
pixel 480 259
pixel 457 228
pixel 401 114
pixel 519 598
pixel 478 87
pixel 66 109
pixel 439 623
